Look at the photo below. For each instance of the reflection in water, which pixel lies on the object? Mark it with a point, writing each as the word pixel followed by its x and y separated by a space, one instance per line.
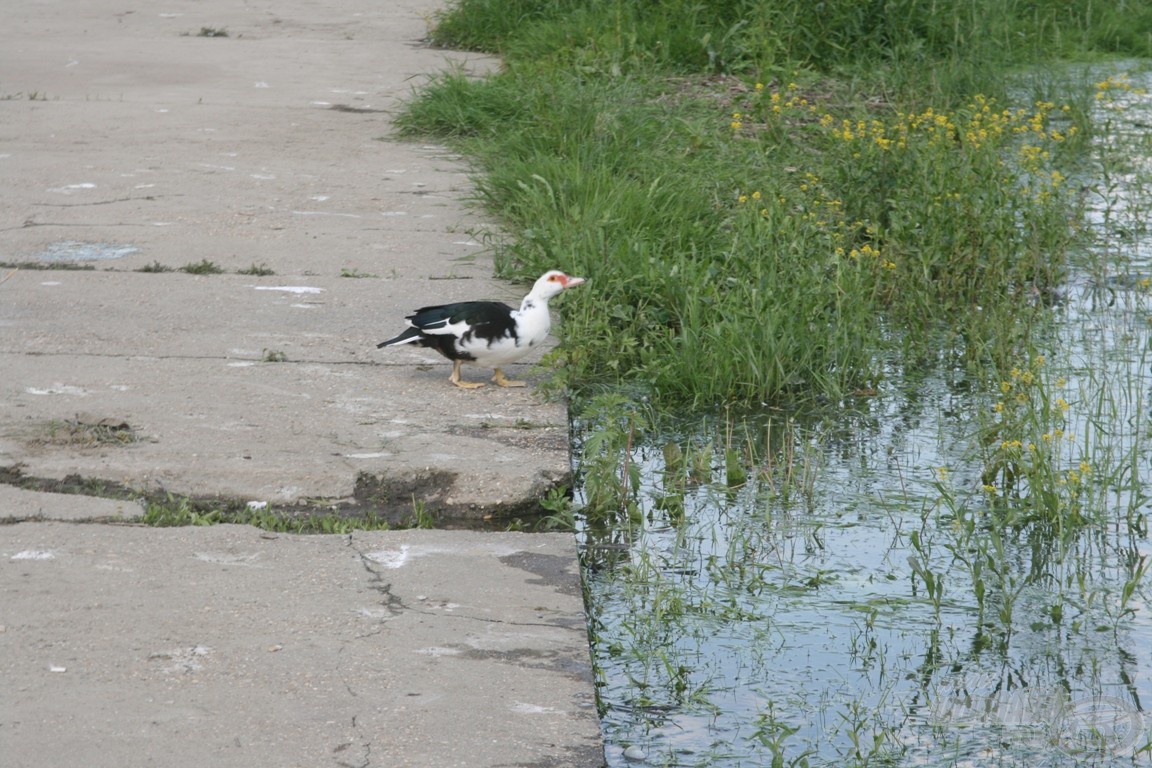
pixel 911 580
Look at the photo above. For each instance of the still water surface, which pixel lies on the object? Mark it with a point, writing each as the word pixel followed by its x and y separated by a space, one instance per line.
pixel 862 599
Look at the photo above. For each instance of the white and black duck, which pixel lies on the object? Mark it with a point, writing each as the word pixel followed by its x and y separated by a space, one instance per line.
pixel 487 333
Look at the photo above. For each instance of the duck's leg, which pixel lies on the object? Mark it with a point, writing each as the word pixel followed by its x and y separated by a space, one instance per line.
pixel 500 379
pixel 455 378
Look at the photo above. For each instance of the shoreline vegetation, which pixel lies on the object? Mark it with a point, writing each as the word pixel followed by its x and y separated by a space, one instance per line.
pixel 773 199
pixel 859 384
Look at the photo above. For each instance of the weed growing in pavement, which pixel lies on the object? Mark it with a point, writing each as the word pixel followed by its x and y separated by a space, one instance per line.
pixel 155 266
pixel 355 273
pixel 202 267
pixel 422 517
pixel 182 511
pixel 30 96
pixel 561 511
pixel 88 432
pixel 70 266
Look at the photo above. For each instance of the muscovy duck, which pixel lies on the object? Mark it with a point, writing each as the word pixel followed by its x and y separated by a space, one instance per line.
pixel 488 333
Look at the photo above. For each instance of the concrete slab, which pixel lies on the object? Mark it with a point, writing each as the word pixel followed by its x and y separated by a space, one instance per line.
pixel 17 504
pixel 131 139
pixel 228 646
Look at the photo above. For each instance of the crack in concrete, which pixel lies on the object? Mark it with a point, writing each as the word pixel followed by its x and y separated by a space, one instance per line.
pixel 366 753
pixel 28 224
pixel 359 740
pixel 137 356
pixel 391 603
pixel 102 202
pixel 484 619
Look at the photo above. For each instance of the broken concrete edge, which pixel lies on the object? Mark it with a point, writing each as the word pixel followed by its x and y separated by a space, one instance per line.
pixel 377 501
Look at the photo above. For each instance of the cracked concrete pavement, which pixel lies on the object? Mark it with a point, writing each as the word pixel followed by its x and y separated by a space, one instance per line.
pixel 135 146
pixel 404 648
pixel 136 140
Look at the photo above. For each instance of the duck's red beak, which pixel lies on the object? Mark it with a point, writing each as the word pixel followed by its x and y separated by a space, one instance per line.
pixel 569 282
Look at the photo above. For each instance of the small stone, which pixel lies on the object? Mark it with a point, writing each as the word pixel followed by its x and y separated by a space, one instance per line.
pixel 635 753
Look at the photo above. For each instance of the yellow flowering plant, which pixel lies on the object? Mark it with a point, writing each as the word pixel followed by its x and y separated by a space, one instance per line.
pixel 946 205
pixel 1030 455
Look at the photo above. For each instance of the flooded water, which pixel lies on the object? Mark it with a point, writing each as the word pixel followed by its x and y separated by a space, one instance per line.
pixel 938 575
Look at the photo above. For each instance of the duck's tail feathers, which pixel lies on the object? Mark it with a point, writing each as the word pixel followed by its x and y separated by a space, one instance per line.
pixel 410 335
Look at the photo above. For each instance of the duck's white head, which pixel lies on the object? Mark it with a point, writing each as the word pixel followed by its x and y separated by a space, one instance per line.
pixel 552 283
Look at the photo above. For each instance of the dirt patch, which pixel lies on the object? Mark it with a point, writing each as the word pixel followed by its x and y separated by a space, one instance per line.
pixel 424 495
pixel 85 431
pixel 71 484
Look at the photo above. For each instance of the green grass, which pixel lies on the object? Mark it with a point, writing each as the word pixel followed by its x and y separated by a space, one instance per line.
pixel 155 267
pixel 938 47
pixel 202 267
pixel 181 511
pixel 46 265
pixel 355 273
pixel 769 197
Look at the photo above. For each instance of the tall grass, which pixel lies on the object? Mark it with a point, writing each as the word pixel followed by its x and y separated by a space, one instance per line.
pixel 755 243
pixel 767 195
pixel 955 46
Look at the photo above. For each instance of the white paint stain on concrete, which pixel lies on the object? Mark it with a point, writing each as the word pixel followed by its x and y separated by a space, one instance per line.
pixel 298 289
pixel 34 554
pixel 58 389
